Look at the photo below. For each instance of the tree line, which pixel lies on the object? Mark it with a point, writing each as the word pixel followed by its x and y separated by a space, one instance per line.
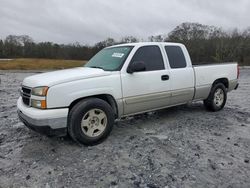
pixel 205 43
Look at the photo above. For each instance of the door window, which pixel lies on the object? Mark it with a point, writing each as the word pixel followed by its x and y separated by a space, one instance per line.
pixel 151 56
pixel 176 57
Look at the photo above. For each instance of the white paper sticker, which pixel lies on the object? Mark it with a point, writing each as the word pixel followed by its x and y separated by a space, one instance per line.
pixel 119 55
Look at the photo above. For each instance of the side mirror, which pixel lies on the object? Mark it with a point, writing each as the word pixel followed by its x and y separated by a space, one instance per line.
pixel 136 66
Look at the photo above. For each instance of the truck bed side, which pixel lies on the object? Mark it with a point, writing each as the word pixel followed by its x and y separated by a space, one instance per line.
pixel 206 75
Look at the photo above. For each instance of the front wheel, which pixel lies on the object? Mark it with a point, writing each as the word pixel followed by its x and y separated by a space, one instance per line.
pixel 90 121
pixel 217 98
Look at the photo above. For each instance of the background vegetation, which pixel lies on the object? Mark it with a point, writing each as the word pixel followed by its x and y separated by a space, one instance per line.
pixel 205 43
pixel 39 64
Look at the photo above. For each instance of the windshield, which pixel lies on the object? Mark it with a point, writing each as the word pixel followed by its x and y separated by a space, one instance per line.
pixel 110 59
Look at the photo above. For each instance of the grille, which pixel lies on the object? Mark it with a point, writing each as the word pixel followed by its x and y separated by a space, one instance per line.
pixel 25 93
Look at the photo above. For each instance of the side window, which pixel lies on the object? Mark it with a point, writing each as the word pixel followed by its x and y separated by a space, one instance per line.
pixel 176 57
pixel 151 56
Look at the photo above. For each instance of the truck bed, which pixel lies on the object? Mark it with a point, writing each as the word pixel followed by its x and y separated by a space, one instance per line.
pixel 207 74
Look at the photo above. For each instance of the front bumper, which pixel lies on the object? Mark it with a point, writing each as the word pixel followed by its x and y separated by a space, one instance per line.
pixel 52 122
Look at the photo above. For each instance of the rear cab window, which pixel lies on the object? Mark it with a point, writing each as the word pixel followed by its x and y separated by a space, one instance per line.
pixel 151 56
pixel 176 57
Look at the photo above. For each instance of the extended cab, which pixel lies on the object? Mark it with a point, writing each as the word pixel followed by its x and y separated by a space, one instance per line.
pixel 119 81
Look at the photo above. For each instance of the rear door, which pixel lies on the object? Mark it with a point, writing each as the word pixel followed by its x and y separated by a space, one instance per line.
pixel 149 89
pixel 182 75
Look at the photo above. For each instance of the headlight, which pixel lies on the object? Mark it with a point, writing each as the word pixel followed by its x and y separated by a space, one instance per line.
pixel 38 104
pixel 40 91
pixel 40 100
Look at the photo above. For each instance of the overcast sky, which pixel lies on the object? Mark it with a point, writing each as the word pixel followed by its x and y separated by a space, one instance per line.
pixel 90 21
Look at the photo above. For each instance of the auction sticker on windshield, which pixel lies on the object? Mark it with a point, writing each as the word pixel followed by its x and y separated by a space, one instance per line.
pixel 120 55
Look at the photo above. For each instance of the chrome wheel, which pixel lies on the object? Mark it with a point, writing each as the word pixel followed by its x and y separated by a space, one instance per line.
pixel 94 122
pixel 219 97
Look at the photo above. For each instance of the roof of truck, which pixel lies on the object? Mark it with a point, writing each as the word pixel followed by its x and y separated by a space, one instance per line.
pixel 148 43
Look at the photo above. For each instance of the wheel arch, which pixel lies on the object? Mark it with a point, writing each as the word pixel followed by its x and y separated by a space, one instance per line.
pixel 106 97
pixel 224 81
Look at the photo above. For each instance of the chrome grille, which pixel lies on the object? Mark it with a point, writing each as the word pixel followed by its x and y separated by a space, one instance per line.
pixel 26 93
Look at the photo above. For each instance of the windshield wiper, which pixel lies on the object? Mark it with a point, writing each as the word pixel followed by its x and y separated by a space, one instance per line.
pixel 96 67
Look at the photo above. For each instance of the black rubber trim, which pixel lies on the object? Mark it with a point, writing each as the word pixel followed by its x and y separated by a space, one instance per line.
pixel 46 130
pixel 236 87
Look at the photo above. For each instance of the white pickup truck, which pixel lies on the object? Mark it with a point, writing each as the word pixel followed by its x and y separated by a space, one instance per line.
pixel 119 81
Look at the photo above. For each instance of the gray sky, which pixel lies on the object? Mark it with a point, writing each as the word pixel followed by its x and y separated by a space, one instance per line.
pixel 90 21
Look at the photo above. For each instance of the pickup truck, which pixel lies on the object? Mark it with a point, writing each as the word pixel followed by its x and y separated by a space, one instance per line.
pixel 119 81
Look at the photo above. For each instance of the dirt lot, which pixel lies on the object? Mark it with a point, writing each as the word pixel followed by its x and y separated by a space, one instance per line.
pixel 183 146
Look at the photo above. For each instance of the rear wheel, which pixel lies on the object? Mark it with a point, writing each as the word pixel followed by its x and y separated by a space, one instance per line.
pixel 90 121
pixel 217 98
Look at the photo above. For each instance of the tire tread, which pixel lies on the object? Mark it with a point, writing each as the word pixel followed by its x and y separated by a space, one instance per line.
pixel 209 102
pixel 79 107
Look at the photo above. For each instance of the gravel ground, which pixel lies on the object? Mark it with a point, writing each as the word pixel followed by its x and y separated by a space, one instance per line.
pixel 184 146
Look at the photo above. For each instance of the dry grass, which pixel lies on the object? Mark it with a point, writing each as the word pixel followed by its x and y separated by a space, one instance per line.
pixel 38 64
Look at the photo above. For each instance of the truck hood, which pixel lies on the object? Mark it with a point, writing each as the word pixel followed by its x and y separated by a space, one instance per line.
pixel 57 77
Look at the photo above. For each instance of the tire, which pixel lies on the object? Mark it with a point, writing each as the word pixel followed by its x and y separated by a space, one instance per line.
pixel 217 98
pixel 90 121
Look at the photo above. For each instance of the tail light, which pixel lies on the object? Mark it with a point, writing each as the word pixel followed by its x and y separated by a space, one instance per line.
pixel 238 71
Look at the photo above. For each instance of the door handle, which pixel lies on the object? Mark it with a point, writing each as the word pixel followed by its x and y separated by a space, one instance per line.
pixel 164 77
